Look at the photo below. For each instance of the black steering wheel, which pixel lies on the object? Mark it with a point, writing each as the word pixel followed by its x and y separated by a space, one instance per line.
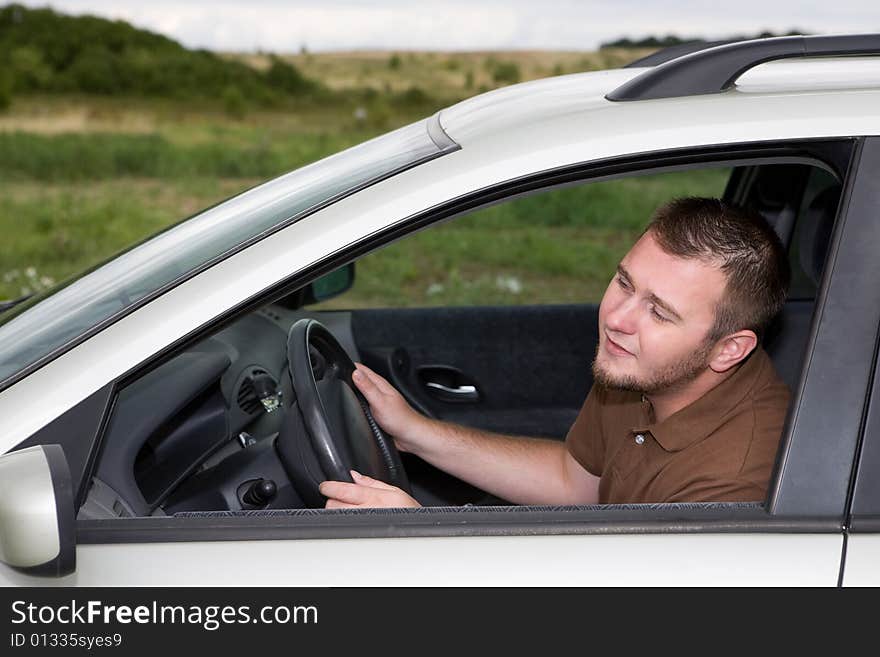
pixel 328 429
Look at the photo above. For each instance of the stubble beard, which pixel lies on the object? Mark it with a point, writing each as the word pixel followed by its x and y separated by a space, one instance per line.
pixel 671 377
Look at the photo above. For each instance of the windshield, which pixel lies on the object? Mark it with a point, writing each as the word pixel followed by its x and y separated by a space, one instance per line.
pixel 45 326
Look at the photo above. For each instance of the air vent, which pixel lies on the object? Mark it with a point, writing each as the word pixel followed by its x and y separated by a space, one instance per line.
pixel 247 398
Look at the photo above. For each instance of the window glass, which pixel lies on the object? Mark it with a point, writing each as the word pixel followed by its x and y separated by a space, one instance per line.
pixel 45 324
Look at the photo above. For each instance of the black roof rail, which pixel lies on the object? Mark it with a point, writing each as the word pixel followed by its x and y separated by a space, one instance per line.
pixel 665 54
pixel 714 70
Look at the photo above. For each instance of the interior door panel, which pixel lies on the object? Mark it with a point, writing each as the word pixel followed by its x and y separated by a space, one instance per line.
pixel 522 370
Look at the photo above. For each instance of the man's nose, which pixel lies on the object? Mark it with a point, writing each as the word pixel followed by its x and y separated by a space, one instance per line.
pixel 622 317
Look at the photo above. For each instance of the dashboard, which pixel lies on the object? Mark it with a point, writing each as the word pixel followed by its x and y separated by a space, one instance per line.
pixel 192 434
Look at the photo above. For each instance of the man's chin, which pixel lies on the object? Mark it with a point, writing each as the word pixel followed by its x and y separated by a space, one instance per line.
pixel 675 377
pixel 613 381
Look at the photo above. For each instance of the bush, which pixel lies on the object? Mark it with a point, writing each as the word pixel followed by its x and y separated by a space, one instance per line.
pixel 234 103
pixel 414 98
pixel 29 71
pixel 5 90
pixel 95 70
pixel 505 73
pixel 286 78
pixel 48 51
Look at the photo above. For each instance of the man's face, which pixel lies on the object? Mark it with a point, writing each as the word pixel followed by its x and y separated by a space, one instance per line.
pixel 654 320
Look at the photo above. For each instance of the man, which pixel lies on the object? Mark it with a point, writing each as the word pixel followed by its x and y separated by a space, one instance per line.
pixel 685 406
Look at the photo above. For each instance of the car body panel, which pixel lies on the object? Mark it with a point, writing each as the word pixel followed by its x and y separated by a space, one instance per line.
pixel 573 108
pixel 862 564
pixel 592 560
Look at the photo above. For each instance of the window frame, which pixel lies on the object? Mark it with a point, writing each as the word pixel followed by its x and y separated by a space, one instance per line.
pixel 783 511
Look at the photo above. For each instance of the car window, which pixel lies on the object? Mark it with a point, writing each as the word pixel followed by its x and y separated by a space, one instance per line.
pixel 193 434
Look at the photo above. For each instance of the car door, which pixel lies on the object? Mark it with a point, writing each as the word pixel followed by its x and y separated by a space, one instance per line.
pixel 796 537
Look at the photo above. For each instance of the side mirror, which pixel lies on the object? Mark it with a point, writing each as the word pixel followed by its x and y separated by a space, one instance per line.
pixel 330 285
pixel 37 519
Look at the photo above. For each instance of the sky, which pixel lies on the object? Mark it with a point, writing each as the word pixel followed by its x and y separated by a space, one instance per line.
pixel 460 25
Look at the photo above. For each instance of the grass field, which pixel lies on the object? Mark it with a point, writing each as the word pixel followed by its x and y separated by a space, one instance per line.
pixel 83 177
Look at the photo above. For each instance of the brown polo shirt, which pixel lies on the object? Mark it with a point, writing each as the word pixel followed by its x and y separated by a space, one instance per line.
pixel 720 448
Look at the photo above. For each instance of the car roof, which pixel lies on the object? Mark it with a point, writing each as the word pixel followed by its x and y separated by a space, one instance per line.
pixel 516 109
pixel 727 80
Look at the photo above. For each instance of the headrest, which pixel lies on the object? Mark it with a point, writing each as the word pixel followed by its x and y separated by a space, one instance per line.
pixel 817 221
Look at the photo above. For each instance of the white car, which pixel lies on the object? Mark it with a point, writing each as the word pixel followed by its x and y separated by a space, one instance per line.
pixel 166 417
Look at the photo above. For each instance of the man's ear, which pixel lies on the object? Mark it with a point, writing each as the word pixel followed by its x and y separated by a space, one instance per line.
pixel 732 349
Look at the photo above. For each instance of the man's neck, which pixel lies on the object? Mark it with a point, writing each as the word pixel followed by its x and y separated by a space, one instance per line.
pixel 668 402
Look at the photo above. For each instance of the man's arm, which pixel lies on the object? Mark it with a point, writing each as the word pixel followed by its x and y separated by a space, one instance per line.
pixel 521 470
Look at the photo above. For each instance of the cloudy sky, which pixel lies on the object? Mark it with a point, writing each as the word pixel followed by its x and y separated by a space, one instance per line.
pixel 320 25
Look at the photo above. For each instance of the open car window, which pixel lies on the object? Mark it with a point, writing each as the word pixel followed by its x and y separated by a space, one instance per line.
pixel 193 436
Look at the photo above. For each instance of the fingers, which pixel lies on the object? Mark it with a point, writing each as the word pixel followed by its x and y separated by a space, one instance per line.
pixel 344 492
pixel 356 493
pixel 376 379
pixel 336 504
pixel 365 385
pixel 370 482
pixel 366 492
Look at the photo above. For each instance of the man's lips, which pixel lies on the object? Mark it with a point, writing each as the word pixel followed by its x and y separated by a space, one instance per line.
pixel 615 348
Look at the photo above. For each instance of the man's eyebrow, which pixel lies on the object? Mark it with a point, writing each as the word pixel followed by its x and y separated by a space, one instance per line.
pixel 657 301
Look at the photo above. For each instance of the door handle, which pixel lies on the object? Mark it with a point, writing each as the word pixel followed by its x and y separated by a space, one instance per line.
pixel 459 393
pixel 448 384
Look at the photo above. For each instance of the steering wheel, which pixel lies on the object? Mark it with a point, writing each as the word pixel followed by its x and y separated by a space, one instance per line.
pixel 328 428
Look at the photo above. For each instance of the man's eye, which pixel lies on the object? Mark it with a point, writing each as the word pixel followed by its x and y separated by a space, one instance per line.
pixel 624 284
pixel 658 316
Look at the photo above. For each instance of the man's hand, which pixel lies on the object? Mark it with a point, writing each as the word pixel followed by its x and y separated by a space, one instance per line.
pixel 389 408
pixel 365 492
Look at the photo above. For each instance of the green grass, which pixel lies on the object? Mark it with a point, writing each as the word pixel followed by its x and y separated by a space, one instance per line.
pixel 560 246
pixel 71 157
pixel 53 232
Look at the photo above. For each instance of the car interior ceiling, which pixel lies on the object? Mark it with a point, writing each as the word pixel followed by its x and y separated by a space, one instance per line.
pixel 191 456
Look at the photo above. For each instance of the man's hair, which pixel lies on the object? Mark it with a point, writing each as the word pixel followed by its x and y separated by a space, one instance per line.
pixel 742 244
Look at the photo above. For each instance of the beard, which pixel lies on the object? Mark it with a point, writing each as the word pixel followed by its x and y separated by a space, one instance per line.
pixel 670 377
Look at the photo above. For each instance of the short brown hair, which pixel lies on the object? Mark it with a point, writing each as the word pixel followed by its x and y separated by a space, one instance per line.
pixel 742 244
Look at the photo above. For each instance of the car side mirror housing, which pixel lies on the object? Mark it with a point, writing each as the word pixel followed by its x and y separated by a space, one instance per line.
pixel 330 285
pixel 37 518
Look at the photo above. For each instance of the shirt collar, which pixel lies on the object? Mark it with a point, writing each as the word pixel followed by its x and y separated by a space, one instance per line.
pixel 702 417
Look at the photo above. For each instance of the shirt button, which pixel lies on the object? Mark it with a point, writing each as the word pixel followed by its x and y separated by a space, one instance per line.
pixel 640 439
